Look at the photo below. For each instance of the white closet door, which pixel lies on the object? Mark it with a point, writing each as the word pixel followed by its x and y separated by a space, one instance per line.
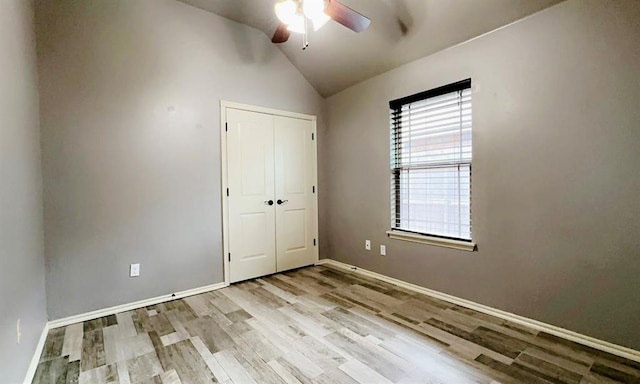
pixel 250 162
pixel 295 214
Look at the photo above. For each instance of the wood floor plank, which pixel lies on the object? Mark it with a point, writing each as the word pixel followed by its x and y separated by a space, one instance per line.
pixel 102 374
pixel 334 376
pixel 212 363
pixel 362 374
pixel 253 365
pixel 356 301
pixel 140 319
pixel 112 344
pixel 286 376
pixel 160 323
pixel 322 355
pixel 285 286
pixel 53 370
pixel 381 300
pixel 73 372
pixel 319 287
pixel 177 321
pixel 358 324
pixel 125 324
pixel 239 315
pixel 144 367
pixel 562 375
pixel 300 366
pixel 233 368
pixel 516 371
pixel 187 362
pixel 613 373
pixel 198 304
pixel 316 328
pixel 72 344
pixel 223 304
pixel 308 289
pixel 575 365
pixel 284 295
pixel 416 330
pixel 315 275
pixel 273 296
pixel 262 345
pixel 123 371
pixel 170 377
pixel 214 337
pixel 138 345
pixel 499 343
pixel 635 365
pixel 53 344
pixel 171 338
pixel 348 279
pixel 92 350
pixel 338 301
pixel 431 365
pixel 370 354
pixel 185 311
pixel 272 331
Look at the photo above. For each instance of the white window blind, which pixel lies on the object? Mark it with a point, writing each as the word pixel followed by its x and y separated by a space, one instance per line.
pixel 431 162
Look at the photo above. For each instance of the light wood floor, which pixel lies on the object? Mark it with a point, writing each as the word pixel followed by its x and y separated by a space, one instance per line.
pixel 317 325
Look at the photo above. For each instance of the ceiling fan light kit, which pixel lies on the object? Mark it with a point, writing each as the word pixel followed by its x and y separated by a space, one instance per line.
pixel 295 14
pixel 314 11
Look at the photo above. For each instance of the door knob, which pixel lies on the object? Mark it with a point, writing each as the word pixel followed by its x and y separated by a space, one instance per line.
pixel 269 202
pixel 280 202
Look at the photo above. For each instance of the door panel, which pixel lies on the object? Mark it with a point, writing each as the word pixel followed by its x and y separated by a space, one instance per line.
pixel 294 222
pixel 294 160
pixel 251 181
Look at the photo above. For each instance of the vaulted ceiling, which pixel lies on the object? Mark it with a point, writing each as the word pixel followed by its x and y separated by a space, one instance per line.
pixel 401 31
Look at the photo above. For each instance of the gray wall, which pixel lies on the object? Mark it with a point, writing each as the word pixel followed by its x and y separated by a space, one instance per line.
pixel 556 111
pixel 125 179
pixel 21 235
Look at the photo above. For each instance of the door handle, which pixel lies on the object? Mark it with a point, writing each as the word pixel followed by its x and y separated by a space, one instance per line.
pixel 269 202
pixel 280 202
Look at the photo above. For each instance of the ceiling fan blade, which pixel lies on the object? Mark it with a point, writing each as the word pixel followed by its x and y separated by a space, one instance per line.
pixel 347 16
pixel 281 34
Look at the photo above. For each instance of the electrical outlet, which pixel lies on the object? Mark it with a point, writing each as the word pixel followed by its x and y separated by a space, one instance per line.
pixel 383 250
pixel 134 271
pixel 367 245
pixel 19 330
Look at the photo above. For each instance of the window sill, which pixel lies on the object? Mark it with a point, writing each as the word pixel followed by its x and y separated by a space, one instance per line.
pixel 431 240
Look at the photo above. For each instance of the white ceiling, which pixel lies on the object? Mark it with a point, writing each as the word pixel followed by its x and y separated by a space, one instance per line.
pixel 338 58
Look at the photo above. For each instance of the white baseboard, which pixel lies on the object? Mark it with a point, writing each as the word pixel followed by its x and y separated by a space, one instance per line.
pixel 129 306
pixel 31 371
pixel 589 341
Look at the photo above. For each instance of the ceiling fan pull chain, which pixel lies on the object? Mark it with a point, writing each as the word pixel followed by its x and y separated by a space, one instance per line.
pixel 305 40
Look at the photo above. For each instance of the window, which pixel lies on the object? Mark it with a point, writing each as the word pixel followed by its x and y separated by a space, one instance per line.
pixel 431 163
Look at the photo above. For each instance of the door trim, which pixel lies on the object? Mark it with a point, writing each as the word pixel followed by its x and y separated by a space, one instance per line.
pixel 224 105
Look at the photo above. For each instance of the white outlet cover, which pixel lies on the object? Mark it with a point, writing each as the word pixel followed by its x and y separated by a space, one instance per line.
pixel 367 245
pixel 383 250
pixel 134 271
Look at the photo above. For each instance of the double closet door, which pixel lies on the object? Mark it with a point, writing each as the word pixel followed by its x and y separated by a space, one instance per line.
pixel 271 203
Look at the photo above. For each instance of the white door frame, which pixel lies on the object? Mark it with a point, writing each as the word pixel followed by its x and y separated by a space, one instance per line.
pixel 223 174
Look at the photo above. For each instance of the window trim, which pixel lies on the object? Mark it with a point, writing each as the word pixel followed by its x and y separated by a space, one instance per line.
pixel 414 237
pixel 423 237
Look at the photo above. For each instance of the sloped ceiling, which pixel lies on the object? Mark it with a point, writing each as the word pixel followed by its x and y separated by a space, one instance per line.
pixel 401 31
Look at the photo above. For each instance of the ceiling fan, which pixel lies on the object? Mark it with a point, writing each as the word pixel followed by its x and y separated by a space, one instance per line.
pixel 295 16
